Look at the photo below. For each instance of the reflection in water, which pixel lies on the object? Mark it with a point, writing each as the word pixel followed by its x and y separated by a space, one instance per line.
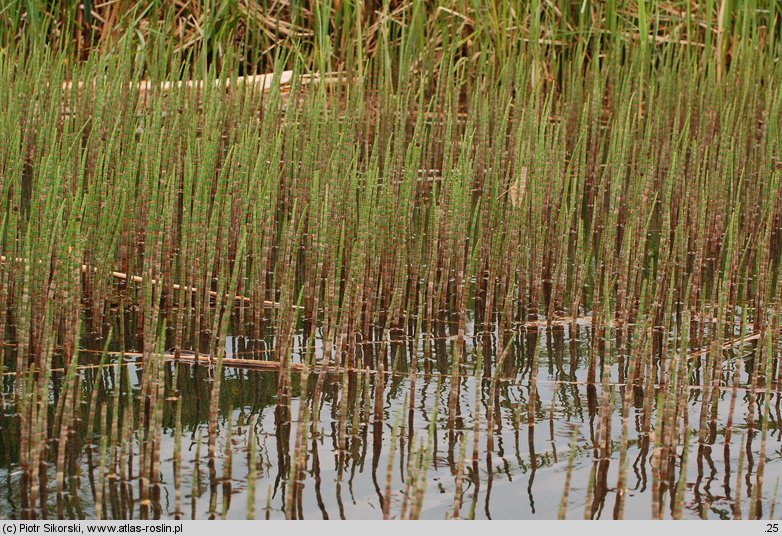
pixel 445 437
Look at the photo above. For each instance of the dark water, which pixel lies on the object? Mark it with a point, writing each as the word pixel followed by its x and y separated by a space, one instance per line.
pixel 513 471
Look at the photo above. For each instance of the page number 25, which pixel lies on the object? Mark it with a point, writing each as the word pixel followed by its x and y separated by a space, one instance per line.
pixel 772 527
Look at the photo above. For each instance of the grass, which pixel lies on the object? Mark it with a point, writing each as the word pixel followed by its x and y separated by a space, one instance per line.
pixel 457 181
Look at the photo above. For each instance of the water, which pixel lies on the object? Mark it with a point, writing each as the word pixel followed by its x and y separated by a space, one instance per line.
pixel 513 471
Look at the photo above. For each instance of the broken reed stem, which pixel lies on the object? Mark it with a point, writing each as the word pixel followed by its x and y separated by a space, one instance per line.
pixel 265 82
pixel 174 286
pixel 273 366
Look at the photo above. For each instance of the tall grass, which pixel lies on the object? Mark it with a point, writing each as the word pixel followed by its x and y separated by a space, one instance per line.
pixel 545 168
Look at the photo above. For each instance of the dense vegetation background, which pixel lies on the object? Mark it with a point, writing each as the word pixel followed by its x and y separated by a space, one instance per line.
pixel 337 33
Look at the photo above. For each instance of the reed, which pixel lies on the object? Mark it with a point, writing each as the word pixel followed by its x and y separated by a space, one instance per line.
pixel 325 213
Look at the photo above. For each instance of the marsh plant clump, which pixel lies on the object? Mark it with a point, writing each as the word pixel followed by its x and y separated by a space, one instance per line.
pixel 437 261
